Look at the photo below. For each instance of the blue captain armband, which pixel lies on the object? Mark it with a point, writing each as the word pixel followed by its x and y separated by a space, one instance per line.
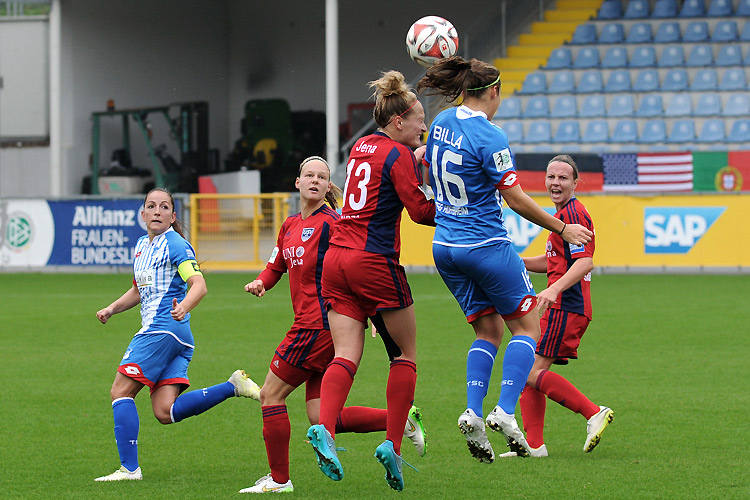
pixel 189 268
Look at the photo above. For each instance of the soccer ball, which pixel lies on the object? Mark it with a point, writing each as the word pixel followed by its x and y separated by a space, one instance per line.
pixel 430 39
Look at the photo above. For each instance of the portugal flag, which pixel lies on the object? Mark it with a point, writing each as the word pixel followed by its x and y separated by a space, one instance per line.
pixel 721 171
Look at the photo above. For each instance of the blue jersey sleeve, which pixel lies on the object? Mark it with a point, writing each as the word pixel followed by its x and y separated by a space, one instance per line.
pixel 179 249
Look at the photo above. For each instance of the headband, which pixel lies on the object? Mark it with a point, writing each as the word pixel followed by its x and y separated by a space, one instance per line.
pixel 311 158
pixel 496 80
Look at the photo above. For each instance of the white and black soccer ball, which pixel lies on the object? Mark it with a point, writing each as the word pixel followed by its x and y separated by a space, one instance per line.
pixel 430 39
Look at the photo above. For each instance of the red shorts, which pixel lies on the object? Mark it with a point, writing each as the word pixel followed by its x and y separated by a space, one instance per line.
pixel 561 334
pixel 307 349
pixel 295 377
pixel 358 284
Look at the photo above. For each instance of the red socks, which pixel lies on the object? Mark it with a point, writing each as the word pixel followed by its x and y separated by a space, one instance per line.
pixel 533 406
pixel 337 382
pixel 361 419
pixel 561 391
pixel 399 395
pixel 276 433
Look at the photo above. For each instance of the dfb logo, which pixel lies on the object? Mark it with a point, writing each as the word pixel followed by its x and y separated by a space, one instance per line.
pixel 521 231
pixel 676 229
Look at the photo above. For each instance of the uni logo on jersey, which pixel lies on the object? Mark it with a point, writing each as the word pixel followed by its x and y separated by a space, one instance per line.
pixel 676 229
pixel 503 160
pixel 307 232
pixel 521 231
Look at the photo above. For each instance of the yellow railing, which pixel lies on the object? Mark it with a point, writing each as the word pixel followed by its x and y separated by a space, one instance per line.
pixel 236 231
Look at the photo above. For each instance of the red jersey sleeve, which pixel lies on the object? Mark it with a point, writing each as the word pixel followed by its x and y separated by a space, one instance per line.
pixel 407 179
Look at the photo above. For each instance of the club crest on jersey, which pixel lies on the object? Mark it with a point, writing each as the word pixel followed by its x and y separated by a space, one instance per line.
pixel 503 160
pixel 307 232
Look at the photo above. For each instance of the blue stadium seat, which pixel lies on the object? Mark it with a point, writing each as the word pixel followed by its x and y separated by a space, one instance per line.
pixel 693 8
pixel 700 55
pixel 610 9
pixel 591 81
pixel 682 131
pixel 639 33
pixel 514 130
pixel 592 106
pixel 646 81
pixel 737 105
pixel 564 107
pixel 696 31
pixel 746 62
pixel 567 131
pixel 705 79
pixel 675 80
pixel 612 33
pixel 562 82
pixel 671 56
pixel 664 9
pixel 618 81
pixel 615 57
pixel 733 79
pixel 679 105
pixel 653 131
pixel 667 32
pixel 712 131
pixel 587 57
pixel 725 31
pixel 538 132
pixel 729 55
pixel 534 83
pixel 720 8
pixel 740 131
pixel 636 9
pixel 743 8
pixel 709 104
pixel 643 57
pixel 621 105
pixel 651 105
pixel 510 107
pixel 537 107
pixel 597 131
pixel 560 58
pixel 745 35
pixel 585 34
pixel 625 131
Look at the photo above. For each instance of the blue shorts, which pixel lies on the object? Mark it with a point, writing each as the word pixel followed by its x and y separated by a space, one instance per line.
pixel 486 279
pixel 157 359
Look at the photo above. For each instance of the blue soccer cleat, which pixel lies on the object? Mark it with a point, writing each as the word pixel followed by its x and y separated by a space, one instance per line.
pixel 392 463
pixel 325 451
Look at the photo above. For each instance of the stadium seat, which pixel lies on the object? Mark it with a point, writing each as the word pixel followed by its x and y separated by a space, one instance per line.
pixel 534 83
pixel 650 105
pixel 621 105
pixel 743 8
pixel 733 79
pixel 643 57
pixel 612 33
pixel 709 104
pixel 567 131
pixel 537 107
pixel 740 131
pixel 696 31
pixel 538 132
pixel 514 130
pixel 745 35
pixel 693 8
pixel 615 57
pixel 746 62
pixel 705 79
pixel 725 31
pixel 646 81
pixel 597 131
pixel 671 56
pixel 737 105
pixel 639 33
pixel 729 55
pixel 592 106
pixel 591 81
pixel 618 81
pixel 720 8
pixel 510 107
pixel 712 131
pixel 679 105
pixel 610 9
pixel 700 55
pixel 667 32
pixel 625 131
pixel 584 34
pixel 682 131
pixel 664 9
pixel 562 82
pixel 675 80
pixel 587 58
pixel 636 9
pixel 560 58
pixel 653 131
pixel 564 107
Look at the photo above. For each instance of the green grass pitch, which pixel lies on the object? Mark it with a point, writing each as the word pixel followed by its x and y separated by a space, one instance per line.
pixel 667 353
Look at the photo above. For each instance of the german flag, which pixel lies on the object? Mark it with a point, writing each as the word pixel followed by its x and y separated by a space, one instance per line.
pixel 532 169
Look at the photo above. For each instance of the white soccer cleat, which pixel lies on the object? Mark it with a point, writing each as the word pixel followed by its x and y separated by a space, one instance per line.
pixel 472 427
pixel 122 474
pixel 414 430
pixel 266 484
pixel 244 385
pixel 499 421
pixel 534 452
pixel 595 427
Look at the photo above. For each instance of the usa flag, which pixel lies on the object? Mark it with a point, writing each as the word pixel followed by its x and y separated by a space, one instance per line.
pixel 648 172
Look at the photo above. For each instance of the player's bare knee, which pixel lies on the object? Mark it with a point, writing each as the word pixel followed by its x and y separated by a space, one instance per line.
pixel 164 417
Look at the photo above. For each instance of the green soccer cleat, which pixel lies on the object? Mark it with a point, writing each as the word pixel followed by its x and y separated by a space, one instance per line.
pixel 244 385
pixel 415 430
pixel 595 427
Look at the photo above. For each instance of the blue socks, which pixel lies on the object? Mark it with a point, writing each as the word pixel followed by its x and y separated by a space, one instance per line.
pixel 479 364
pixel 517 362
pixel 196 402
pixel 126 431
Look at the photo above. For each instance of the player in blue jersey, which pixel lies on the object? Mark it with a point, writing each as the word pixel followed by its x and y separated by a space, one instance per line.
pixel 471 173
pixel 168 284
